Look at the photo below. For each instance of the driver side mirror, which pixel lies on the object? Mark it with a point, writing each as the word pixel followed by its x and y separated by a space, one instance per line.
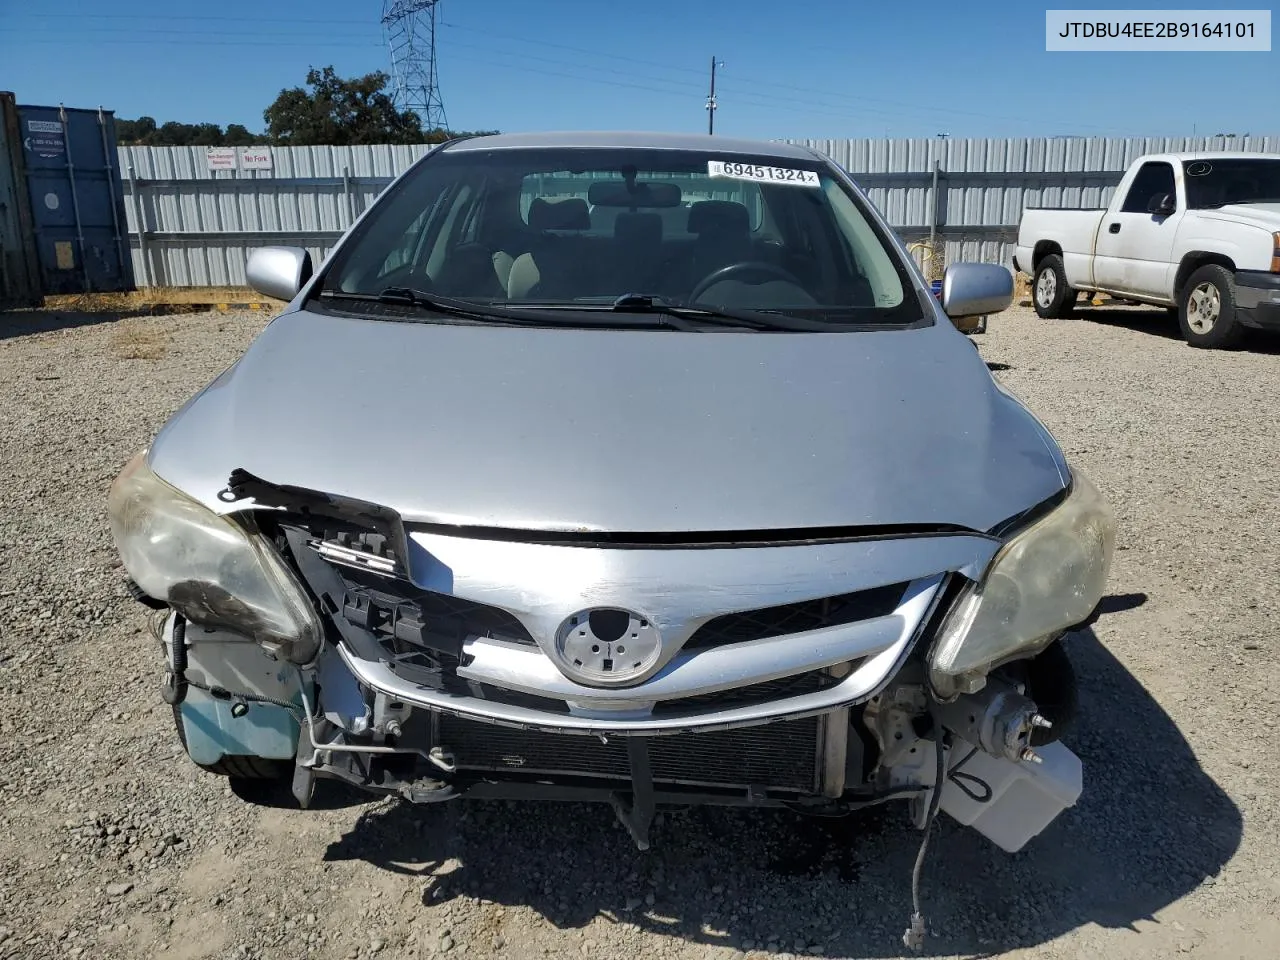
pixel 976 289
pixel 278 272
pixel 1162 204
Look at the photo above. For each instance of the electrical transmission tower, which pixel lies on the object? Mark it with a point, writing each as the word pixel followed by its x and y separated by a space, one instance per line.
pixel 410 30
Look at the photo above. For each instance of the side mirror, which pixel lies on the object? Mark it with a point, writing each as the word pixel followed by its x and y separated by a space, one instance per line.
pixel 278 272
pixel 1162 204
pixel 976 289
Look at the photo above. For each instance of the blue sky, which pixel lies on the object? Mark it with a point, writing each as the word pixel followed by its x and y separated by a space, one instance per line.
pixel 816 68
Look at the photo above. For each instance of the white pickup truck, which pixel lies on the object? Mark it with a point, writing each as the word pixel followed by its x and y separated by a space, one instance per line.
pixel 1195 233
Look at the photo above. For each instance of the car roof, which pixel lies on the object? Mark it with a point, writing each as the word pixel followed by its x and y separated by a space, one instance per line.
pixel 1191 156
pixel 636 140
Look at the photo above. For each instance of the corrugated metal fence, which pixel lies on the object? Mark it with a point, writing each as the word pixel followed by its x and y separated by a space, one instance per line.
pixel 199 224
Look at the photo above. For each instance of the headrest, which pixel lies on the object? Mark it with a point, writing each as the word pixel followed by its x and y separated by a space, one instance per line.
pixel 720 216
pixel 614 193
pixel 638 228
pixel 571 214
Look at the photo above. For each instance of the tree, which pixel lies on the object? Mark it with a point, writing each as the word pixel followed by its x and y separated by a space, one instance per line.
pixel 238 135
pixel 338 112
pixel 333 112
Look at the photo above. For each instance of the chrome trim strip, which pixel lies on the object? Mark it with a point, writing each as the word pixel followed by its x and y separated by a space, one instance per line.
pixel 527 670
pixel 358 559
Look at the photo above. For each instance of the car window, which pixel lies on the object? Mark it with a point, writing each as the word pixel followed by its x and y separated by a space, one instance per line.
pixel 1154 179
pixel 1217 181
pixel 584 226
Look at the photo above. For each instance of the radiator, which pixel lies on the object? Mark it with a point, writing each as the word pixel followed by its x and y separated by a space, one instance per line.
pixel 781 755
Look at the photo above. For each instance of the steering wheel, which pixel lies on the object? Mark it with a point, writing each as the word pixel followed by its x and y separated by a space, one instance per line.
pixel 752 268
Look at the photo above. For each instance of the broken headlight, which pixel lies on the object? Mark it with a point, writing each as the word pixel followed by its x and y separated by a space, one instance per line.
pixel 209 568
pixel 1049 577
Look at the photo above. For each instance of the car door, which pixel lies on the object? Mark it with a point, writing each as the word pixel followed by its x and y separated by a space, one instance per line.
pixel 1135 241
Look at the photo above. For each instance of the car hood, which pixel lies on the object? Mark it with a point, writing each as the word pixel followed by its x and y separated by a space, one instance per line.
pixel 636 431
pixel 1265 215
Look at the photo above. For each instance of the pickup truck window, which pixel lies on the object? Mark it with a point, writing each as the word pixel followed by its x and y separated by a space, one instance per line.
pixel 1215 183
pixel 1152 180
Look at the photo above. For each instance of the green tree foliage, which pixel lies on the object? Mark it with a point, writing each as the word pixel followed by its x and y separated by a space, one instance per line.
pixel 340 112
pixel 329 111
pixel 144 131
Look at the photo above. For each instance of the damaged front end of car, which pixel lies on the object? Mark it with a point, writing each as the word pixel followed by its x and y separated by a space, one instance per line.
pixel 313 636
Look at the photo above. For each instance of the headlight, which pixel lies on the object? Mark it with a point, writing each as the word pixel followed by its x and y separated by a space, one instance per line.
pixel 209 568
pixel 1047 578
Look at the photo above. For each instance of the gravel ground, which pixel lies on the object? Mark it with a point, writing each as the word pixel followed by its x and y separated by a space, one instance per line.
pixel 113 845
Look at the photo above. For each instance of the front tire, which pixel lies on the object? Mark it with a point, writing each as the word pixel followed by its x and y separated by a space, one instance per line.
pixel 1052 296
pixel 1207 309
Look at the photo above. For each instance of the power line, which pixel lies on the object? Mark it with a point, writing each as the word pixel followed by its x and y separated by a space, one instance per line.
pixel 830 94
pixel 834 103
pixel 91 30
pixel 226 43
pixel 178 16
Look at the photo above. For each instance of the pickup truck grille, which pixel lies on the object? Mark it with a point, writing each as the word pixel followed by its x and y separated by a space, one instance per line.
pixel 781 755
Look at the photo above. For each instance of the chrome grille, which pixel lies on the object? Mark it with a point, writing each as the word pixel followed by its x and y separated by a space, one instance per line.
pixel 769 690
pixel 797 617
pixel 780 755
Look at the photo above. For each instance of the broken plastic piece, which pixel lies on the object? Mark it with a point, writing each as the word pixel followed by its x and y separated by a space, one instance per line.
pixel 913 937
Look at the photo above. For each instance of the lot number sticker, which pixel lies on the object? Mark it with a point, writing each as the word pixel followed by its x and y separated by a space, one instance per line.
pixel 759 174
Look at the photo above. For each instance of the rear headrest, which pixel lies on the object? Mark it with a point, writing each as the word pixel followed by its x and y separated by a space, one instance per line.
pixel 571 214
pixel 638 228
pixel 720 216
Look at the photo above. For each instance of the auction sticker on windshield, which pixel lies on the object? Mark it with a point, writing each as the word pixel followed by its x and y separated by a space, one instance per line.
pixel 753 171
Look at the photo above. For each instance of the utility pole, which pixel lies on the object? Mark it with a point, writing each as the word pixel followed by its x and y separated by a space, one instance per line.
pixel 711 99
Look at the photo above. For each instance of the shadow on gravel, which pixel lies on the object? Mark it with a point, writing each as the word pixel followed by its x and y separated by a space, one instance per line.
pixel 1120 602
pixel 1162 324
pixel 998 367
pixel 329 795
pixel 24 323
pixel 1150 827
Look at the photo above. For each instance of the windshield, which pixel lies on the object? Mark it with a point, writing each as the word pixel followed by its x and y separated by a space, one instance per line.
pixel 576 229
pixel 1214 183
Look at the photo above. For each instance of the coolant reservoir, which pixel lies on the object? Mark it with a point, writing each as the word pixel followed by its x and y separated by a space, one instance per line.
pixel 1025 797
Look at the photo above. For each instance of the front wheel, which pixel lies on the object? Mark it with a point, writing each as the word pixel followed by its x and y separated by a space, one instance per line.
pixel 1053 297
pixel 1207 309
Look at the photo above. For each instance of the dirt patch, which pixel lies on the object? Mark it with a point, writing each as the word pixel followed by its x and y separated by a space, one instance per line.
pixel 136 339
pixel 114 846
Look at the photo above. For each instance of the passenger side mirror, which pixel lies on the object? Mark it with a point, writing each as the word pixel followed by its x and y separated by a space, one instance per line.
pixel 976 289
pixel 278 272
pixel 1162 204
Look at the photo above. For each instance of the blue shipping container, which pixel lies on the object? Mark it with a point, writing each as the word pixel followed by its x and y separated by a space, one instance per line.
pixel 77 199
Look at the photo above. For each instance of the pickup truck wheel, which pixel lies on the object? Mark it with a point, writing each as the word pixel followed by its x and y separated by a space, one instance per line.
pixel 1052 297
pixel 1207 309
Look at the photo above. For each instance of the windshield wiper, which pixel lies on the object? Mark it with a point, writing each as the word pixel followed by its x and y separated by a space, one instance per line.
pixel 720 316
pixel 470 309
pixel 410 297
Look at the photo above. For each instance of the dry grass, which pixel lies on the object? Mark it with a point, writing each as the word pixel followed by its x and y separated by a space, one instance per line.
pixel 149 298
pixel 135 339
pixel 1022 289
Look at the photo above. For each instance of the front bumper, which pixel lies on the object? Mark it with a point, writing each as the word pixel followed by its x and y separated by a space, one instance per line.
pixel 707 676
pixel 1258 299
